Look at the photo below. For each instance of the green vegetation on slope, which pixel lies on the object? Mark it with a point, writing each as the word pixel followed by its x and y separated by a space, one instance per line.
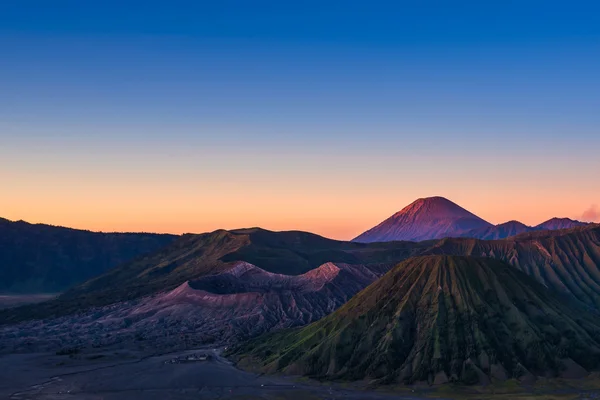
pixel 567 261
pixel 438 319
pixel 194 256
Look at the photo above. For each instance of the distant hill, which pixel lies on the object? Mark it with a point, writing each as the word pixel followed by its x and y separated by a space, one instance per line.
pixel 501 231
pixel 45 258
pixel 440 319
pixel 425 219
pixel 559 223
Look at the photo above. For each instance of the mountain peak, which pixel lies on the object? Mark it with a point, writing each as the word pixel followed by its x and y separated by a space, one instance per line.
pixel 425 218
pixel 433 204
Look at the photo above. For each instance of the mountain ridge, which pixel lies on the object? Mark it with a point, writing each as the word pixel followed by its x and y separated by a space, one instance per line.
pixel 565 260
pixel 556 223
pixel 47 258
pixel 437 217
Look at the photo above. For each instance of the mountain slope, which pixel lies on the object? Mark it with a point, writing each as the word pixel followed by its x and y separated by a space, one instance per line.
pixel 439 319
pixel 240 303
pixel 192 257
pixel 44 258
pixel 139 297
pixel 425 219
pixel 501 231
pixel 567 261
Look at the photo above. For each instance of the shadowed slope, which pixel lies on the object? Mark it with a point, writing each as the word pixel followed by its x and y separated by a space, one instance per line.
pixel 439 319
pixel 45 258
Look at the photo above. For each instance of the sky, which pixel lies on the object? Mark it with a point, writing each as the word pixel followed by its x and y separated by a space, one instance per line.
pixel 319 116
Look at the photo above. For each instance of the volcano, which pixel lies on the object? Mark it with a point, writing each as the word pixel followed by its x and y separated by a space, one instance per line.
pixel 440 319
pixel 424 219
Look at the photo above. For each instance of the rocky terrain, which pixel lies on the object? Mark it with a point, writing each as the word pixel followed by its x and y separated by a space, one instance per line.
pixel 206 299
pixel 242 302
pixel 438 319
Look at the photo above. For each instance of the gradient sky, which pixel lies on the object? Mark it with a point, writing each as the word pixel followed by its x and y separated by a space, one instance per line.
pixel 192 116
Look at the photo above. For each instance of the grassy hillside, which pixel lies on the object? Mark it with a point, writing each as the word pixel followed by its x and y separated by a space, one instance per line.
pixel 567 261
pixel 439 319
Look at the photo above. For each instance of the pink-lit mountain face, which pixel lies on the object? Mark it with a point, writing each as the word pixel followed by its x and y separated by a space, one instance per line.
pixel 424 219
pixel 559 223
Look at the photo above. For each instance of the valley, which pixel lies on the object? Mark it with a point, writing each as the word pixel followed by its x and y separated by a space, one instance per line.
pixel 455 317
pixel 123 375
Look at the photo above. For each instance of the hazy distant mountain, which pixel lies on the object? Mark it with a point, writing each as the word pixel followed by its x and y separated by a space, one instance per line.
pixel 424 219
pixel 559 223
pixel 45 258
pixel 438 319
pixel 501 231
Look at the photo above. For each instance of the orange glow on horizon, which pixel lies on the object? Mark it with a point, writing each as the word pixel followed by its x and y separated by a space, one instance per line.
pixel 330 216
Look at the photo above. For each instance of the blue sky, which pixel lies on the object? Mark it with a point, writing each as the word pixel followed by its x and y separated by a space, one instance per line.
pixel 478 101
